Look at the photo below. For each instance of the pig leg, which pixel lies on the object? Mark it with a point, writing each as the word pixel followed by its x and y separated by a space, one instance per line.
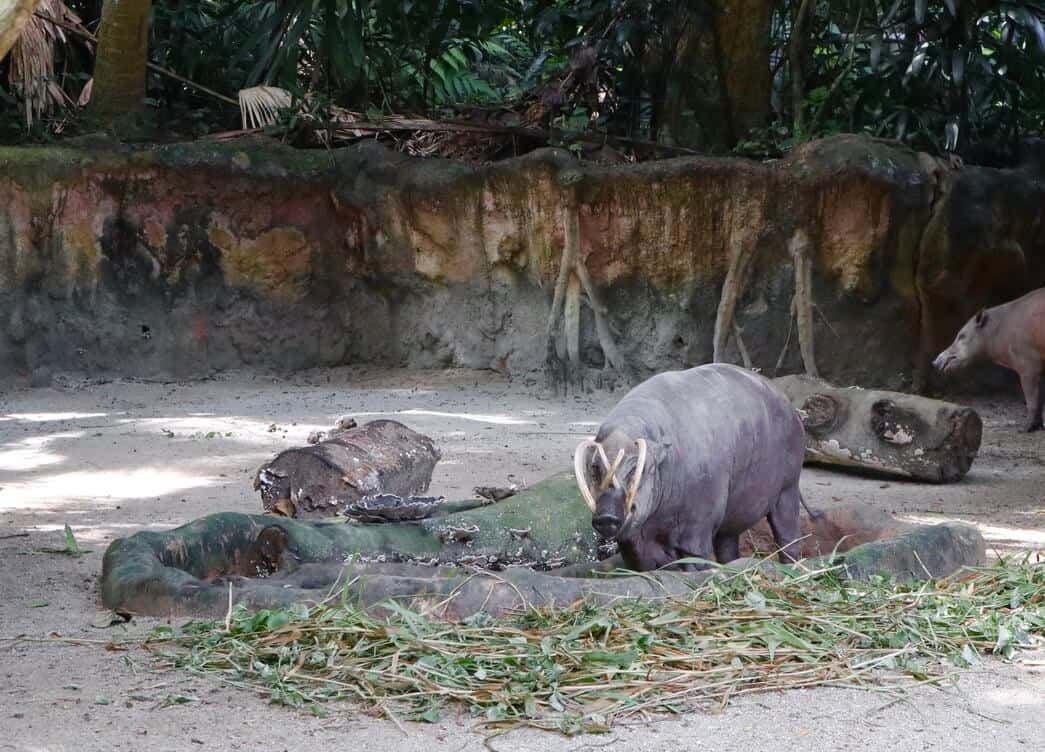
pixel 784 522
pixel 1030 380
pixel 646 554
pixel 695 545
pixel 727 548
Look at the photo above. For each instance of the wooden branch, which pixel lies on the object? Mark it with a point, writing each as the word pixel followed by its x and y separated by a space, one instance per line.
pixel 359 128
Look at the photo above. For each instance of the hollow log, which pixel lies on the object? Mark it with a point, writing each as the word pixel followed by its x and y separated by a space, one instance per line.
pixel 543 527
pixel 266 562
pixel 382 456
pixel 888 433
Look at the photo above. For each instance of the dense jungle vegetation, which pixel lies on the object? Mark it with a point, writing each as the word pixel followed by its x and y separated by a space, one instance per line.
pixel 749 76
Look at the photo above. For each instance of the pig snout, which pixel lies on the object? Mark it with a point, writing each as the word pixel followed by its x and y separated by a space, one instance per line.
pixel 609 513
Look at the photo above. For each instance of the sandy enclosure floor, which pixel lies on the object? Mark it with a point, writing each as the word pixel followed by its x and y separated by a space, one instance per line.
pixel 113 458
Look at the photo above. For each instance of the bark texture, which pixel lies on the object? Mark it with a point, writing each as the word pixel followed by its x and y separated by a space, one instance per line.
pixel 742 32
pixel 381 457
pixel 886 432
pixel 121 58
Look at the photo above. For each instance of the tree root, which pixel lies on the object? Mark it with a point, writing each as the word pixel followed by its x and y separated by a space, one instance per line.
pixel 613 357
pixel 737 332
pixel 787 339
pixel 573 280
pixel 803 301
pixel 741 262
pixel 741 258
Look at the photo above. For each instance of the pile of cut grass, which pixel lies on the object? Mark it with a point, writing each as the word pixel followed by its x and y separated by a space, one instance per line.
pixel 582 668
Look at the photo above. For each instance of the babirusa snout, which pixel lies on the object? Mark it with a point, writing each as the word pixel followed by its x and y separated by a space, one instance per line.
pixel 609 515
pixel 606 525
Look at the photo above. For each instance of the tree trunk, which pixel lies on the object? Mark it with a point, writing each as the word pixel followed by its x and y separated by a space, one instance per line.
pixel 382 457
pixel 716 77
pixel 890 433
pixel 796 59
pixel 121 59
pixel 742 32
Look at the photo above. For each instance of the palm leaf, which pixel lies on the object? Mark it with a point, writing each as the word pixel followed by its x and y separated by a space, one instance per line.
pixel 31 73
pixel 259 106
pixel 14 15
pixel 85 93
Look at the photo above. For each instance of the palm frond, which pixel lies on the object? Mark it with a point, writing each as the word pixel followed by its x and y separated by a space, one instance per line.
pixel 31 74
pixel 85 93
pixel 14 15
pixel 259 106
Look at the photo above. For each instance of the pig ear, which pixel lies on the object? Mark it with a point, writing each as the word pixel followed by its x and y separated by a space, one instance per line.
pixel 981 317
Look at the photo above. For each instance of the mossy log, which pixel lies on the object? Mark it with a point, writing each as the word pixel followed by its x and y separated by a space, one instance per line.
pixel 884 432
pixel 542 527
pixel 203 568
pixel 320 480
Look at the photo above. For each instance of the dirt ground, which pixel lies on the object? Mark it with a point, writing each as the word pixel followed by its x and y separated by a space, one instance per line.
pixel 113 458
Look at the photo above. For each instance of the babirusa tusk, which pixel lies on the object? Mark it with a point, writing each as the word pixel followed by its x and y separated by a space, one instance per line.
pixel 579 462
pixel 578 471
pixel 611 472
pixel 606 466
pixel 636 479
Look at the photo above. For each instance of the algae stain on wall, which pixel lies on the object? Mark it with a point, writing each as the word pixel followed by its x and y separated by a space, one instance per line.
pixel 276 263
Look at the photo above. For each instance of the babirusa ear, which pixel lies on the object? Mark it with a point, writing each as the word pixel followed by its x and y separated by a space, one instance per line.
pixel 981 317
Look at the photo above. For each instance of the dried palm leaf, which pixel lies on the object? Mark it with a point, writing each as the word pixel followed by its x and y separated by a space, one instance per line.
pixel 31 73
pixel 260 105
pixel 14 15
pixel 85 93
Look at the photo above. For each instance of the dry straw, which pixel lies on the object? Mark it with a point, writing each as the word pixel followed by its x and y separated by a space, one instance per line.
pixel 585 667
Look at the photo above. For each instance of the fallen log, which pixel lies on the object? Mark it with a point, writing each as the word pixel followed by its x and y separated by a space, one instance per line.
pixel 325 479
pixel 543 527
pixel 882 432
pixel 260 561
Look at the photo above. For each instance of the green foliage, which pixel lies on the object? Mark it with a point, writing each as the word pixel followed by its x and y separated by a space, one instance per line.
pixel 582 668
pixel 937 74
pixel 386 52
pixel 941 75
